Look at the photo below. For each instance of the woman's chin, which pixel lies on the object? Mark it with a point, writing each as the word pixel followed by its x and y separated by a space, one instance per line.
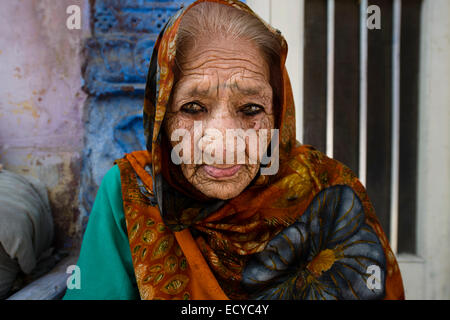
pixel 223 187
pixel 222 191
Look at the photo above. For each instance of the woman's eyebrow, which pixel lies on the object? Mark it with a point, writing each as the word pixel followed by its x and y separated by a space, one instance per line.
pixel 200 92
pixel 237 87
pixel 250 89
pixel 196 91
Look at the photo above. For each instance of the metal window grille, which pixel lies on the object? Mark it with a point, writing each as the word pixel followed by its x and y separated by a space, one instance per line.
pixel 360 101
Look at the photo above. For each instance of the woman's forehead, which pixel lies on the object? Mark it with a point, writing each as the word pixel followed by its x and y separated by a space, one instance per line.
pixel 213 55
pixel 239 82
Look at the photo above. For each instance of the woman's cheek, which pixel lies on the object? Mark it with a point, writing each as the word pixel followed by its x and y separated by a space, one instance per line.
pixel 253 149
pixel 177 122
pixel 267 122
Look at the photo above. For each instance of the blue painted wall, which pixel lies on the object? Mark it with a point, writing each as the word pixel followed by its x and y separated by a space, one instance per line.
pixel 117 58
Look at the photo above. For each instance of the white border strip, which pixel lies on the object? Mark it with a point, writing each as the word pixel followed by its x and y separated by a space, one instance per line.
pixel 396 28
pixel 363 45
pixel 330 78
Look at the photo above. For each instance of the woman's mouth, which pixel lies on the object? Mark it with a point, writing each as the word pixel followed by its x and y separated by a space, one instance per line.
pixel 224 172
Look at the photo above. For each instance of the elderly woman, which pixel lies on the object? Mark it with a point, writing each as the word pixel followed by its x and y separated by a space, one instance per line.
pixel 177 221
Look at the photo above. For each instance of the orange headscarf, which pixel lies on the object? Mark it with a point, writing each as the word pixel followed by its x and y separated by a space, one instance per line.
pixel 308 232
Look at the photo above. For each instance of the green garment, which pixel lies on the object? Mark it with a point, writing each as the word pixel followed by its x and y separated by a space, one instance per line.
pixel 105 263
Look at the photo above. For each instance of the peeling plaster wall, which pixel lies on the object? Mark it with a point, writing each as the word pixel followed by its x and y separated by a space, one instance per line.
pixel 41 102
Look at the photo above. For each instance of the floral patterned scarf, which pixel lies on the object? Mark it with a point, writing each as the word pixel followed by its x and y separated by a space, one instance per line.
pixel 307 232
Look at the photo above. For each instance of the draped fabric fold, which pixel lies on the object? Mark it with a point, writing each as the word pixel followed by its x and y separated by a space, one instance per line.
pixel 307 232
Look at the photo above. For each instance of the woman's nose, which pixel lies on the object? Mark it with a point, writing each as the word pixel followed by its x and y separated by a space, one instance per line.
pixel 221 118
pixel 219 143
pixel 215 148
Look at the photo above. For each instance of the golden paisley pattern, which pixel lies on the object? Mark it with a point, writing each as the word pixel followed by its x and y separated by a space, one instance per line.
pixel 149 236
pixel 162 247
pixel 175 284
pixel 296 186
pixel 171 264
pixel 155 251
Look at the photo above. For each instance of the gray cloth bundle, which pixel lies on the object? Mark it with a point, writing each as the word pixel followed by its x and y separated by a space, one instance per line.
pixel 26 226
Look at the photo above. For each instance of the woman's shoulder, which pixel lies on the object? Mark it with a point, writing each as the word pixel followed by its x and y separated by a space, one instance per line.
pixel 139 158
pixel 112 176
pixel 134 168
pixel 110 183
pixel 109 195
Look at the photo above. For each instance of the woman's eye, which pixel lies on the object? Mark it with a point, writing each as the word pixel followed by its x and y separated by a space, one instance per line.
pixel 252 109
pixel 192 108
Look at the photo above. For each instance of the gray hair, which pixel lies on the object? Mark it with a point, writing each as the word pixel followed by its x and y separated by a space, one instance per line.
pixel 209 19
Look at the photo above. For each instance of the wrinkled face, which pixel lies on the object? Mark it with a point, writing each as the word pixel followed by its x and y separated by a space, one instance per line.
pixel 224 86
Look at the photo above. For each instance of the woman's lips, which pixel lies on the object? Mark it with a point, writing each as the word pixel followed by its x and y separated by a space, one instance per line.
pixel 221 172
